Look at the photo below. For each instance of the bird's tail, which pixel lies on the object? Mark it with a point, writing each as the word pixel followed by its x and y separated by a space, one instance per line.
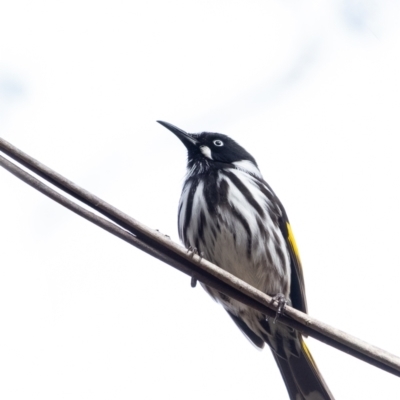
pixel 302 377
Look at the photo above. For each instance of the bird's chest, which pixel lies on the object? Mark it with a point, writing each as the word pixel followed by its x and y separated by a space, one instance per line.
pixel 233 227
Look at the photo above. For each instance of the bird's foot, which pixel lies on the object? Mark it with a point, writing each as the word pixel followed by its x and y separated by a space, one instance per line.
pixel 193 250
pixel 282 301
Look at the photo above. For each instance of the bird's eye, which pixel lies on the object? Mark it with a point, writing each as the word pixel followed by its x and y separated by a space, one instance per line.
pixel 218 143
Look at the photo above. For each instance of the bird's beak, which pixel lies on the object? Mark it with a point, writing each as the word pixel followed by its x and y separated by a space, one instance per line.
pixel 186 138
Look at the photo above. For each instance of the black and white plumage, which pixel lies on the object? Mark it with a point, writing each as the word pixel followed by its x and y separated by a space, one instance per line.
pixel 231 216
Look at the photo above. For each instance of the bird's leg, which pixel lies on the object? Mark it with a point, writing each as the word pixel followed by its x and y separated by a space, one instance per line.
pixel 282 301
pixel 193 250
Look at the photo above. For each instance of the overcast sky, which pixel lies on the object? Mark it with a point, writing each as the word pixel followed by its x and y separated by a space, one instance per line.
pixel 310 88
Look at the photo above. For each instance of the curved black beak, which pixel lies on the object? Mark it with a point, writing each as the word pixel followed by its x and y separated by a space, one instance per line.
pixel 186 138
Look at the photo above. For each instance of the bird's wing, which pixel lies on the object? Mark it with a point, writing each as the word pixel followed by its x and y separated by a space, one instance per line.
pixel 297 287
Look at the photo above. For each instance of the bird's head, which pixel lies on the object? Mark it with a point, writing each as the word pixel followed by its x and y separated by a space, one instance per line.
pixel 214 150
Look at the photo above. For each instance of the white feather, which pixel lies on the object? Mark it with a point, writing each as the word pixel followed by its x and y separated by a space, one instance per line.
pixel 248 166
pixel 205 150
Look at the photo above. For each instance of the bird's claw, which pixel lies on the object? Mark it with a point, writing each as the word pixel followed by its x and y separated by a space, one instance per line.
pixel 282 301
pixel 194 252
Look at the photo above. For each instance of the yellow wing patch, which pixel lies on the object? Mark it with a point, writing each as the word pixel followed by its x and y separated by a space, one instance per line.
pixel 307 352
pixel 293 243
pixel 298 291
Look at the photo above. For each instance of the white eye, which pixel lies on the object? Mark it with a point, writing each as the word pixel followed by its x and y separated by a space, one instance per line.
pixel 218 143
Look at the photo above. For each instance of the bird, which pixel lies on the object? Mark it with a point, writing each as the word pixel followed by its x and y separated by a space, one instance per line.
pixel 231 216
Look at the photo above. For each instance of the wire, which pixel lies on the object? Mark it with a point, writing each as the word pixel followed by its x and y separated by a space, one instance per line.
pixel 158 245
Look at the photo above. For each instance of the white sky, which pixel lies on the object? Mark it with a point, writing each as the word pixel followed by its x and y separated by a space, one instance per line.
pixel 310 88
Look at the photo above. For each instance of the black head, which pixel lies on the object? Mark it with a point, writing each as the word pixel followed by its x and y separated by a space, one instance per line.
pixel 214 148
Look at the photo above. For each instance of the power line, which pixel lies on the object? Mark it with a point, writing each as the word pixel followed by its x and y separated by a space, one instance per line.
pixel 158 245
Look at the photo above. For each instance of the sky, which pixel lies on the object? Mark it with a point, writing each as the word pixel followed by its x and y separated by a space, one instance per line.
pixel 311 89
